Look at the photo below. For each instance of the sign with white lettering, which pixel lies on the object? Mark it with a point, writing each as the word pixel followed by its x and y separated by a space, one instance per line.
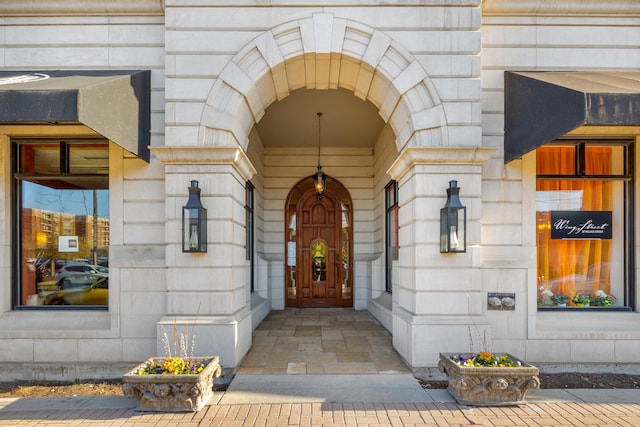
pixel 23 78
pixel 590 225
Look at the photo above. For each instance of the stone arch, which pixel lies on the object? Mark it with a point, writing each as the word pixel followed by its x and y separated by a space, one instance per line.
pixel 324 52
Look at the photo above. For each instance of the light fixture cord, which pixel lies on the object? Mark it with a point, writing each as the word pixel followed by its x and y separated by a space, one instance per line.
pixel 319 139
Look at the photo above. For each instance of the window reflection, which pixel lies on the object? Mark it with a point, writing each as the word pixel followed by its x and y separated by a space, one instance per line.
pixel 64 224
pixel 583 270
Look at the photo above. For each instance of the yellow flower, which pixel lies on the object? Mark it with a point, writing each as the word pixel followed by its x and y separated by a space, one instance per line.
pixel 173 365
pixel 485 358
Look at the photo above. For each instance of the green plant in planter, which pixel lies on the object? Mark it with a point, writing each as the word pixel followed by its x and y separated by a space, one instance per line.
pixel 179 357
pixel 560 299
pixel 582 299
pixel 488 359
pixel 545 297
pixel 173 365
pixel 602 299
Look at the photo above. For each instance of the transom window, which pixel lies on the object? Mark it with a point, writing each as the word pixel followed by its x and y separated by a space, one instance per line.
pixel 62 213
pixel 584 205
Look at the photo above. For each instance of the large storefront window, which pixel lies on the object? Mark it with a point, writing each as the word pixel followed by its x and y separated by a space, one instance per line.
pixel 584 200
pixel 62 212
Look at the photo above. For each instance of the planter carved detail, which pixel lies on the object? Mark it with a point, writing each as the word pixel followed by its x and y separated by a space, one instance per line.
pixel 169 392
pixel 488 386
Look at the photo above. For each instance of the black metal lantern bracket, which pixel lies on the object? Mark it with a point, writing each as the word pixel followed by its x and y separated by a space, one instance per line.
pixel 453 222
pixel 194 222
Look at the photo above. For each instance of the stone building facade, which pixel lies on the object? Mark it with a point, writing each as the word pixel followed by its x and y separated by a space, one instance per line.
pixel 225 93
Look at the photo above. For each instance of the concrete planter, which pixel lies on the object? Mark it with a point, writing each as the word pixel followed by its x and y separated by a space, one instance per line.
pixel 169 392
pixel 488 386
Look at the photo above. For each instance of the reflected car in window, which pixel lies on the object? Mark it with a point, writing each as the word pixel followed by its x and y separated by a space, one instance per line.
pixel 80 275
pixel 95 294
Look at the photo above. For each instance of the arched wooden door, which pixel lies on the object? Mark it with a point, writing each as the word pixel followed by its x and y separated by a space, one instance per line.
pixel 319 247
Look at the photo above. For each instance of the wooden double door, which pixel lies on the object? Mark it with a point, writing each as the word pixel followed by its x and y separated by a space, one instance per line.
pixel 322 266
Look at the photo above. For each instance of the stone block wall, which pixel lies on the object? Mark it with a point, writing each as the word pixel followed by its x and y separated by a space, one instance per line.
pixel 523 36
pixel 47 38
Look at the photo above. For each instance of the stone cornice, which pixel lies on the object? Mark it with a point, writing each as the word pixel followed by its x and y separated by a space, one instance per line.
pixel 81 7
pixel 205 155
pixel 561 7
pixel 157 7
pixel 472 156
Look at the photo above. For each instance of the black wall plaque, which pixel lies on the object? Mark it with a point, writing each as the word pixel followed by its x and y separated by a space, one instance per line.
pixel 590 225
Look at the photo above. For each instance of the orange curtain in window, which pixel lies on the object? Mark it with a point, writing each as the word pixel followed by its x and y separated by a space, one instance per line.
pixel 574 266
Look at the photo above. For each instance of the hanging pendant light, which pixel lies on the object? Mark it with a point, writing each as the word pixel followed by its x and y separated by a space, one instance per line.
pixel 319 178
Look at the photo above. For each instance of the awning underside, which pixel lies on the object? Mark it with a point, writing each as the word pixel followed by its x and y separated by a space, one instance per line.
pixel 542 106
pixel 116 104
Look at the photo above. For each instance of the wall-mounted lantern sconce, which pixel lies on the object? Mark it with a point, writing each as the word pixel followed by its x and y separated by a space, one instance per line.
pixel 194 222
pixel 453 222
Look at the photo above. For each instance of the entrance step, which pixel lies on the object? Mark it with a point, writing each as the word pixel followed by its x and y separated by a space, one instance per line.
pixel 250 388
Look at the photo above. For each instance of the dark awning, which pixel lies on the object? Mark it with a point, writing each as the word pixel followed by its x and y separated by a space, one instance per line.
pixel 114 103
pixel 541 106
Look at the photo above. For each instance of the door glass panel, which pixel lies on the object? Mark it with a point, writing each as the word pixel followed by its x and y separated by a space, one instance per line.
pixel 319 261
pixel 344 254
pixel 291 253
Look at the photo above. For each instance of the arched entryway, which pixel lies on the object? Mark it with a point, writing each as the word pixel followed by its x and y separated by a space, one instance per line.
pixel 318 246
pixel 320 53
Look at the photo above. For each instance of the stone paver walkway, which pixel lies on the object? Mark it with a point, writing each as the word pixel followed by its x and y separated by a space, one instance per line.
pixel 321 341
pixel 343 414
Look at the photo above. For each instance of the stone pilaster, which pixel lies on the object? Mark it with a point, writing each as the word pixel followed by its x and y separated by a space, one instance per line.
pixel 438 298
pixel 208 292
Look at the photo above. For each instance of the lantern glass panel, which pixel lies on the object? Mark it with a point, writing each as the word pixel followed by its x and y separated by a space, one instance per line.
pixel 194 237
pixel 452 229
pixel 444 235
pixel 457 230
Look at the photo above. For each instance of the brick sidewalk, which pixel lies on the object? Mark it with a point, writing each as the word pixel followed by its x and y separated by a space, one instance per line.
pixel 344 414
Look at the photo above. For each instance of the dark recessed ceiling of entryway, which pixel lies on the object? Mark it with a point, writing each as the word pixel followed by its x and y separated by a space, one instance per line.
pixel 347 121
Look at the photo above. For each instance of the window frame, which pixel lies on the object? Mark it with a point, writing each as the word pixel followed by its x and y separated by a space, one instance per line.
pixel 250 232
pixel 627 177
pixel 391 226
pixel 17 180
